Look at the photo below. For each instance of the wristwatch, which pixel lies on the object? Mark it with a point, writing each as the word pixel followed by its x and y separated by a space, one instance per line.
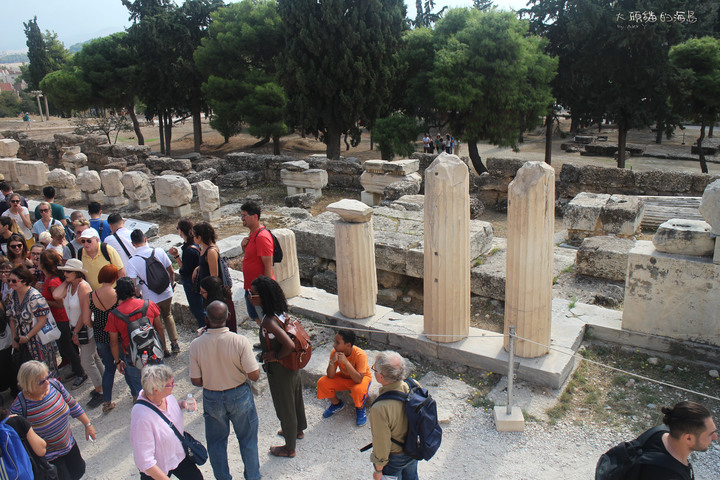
pixel 117 362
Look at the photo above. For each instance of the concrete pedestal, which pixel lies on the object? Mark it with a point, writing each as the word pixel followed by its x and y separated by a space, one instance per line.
pixel 447 250
pixel 528 290
pixel 67 193
pixel 211 216
pixel 371 199
pixel 515 422
pixel 114 201
pixel 287 272
pixel 140 203
pixel 93 197
pixel 181 211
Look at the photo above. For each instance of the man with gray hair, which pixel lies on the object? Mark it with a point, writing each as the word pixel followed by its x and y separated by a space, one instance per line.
pixel 389 422
pixel 222 362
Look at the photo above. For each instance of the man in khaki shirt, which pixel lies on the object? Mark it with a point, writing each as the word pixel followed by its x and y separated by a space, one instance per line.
pixel 389 423
pixel 221 362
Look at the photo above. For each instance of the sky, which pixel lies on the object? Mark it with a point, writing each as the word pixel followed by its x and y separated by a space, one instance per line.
pixel 80 20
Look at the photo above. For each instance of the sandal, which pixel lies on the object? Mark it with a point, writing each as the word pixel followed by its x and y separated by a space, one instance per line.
pixel 282 452
pixel 107 406
pixel 300 434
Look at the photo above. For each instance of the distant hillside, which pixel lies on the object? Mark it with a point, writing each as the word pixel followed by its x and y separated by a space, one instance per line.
pixel 77 47
pixel 14 58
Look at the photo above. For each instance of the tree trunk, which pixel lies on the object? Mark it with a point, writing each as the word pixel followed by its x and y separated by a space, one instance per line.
pixel 475 157
pixel 168 133
pixel 622 138
pixel 276 145
pixel 347 145
pixel 260 143
pixel 701 154
pixel 332 140
pixel 196 110
pixel 573 124
pixel 710 130
pixel 136 124
pixel 548 137
pixel 372 143
pixel 161 129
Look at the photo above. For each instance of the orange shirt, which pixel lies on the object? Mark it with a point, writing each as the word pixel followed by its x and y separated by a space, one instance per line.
pixel 358 359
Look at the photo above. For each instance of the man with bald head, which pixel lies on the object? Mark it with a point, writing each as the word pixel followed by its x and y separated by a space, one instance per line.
pixel 222 362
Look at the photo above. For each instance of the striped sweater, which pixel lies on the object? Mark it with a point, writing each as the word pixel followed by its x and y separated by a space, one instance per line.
pixel 50 418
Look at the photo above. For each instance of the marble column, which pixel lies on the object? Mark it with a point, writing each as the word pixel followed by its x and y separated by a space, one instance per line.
pixel 287 272
pixel 355 258
pixel 446 306
pixel 528 288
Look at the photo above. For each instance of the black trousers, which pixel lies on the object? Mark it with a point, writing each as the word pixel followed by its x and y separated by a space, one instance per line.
pixel 187 470
pixel 68 350
pixel 8 372
pixel 70 466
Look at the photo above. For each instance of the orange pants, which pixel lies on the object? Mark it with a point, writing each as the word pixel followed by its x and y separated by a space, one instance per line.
pixel 326 388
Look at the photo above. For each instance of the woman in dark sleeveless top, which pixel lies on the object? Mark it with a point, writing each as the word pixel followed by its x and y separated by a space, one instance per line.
pixel 102 301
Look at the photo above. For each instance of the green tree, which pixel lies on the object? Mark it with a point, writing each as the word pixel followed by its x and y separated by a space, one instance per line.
pixel 696 86
pixel 396 135
pixel 491 79
pixel 9 104
pixel 40 62
pixel 239 60
pixel 339 62
pixel 416 58
pixel 108 65
pixel 425 16
pixel 483 4
pixel 66 89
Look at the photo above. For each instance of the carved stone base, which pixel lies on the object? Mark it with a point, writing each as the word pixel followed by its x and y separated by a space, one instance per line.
pixel 181 211
pixel 114 201
pixel 93 197
pixel 211 216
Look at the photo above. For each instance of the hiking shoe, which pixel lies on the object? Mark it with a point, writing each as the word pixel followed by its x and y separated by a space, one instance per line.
pixel 167 354
pixel 333 409
pixel 79 381
pixel 361 416
pixel 96 401
pixel 175 348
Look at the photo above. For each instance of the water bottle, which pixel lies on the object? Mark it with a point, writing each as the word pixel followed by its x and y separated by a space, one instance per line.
pixel 190 404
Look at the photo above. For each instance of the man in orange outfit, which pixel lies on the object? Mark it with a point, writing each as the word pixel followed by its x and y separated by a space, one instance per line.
pixel 348 370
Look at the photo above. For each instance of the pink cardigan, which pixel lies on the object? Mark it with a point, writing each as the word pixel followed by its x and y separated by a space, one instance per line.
pixel 153 441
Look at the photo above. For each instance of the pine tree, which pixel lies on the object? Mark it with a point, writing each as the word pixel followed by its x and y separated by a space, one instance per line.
pixel 40 63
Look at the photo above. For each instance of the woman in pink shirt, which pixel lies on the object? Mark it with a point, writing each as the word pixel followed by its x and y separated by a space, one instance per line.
pixel 158 452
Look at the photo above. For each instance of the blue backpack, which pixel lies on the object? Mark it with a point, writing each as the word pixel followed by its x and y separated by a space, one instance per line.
pixel 424 433
pixel 14 460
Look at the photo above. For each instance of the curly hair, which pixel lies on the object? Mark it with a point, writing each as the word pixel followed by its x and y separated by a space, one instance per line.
pixel 272 297
pixel 215 289
pixel 125 288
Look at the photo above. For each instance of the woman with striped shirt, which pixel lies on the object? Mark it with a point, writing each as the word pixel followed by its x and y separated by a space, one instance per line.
pixel 48 407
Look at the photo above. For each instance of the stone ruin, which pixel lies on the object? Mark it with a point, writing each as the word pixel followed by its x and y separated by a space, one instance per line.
pixel 382 179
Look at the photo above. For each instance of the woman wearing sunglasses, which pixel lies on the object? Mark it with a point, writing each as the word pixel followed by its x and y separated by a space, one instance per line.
pixel 18 251
pixel 21 216
pixel 45 222
pixel 48 407
pixel 28 312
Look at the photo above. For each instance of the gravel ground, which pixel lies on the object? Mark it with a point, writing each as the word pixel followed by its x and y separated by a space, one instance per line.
pixel 472 448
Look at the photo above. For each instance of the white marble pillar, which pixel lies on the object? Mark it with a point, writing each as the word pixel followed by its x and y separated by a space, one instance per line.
pixel 287 272
pixel 355 258
pixel 446 306
pixel 528 288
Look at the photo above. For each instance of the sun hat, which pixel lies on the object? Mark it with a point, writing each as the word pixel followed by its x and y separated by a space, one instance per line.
pixel 73 265
pixel 90 233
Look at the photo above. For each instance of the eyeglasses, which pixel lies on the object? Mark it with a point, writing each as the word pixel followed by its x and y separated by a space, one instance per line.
pixel 171 385
pixel 86 240
pixel 15 245
pixel 373 368
pixel 14 201
pixel 253 295
pixel 42 382
pixel 13 280
pixel 245 215
pixel 35 254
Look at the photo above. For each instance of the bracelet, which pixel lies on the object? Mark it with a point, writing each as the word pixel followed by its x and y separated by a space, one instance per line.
pixel 177 256
pixel 118 362
pixel 89 424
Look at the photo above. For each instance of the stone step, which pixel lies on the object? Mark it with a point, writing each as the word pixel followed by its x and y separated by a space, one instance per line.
pixel 660 209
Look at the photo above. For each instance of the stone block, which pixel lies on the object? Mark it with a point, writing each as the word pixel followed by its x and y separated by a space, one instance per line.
pixel 205 174
pixel 504 167
pixel 710 206
pixel 602 177
pixel 111 182
pixel 374 166
pixel 137 187
pixel 663 181
pixel 233 180
pixel 311 178
pixel 512 422
pixel 89 182
pixel 396 190
pixel 300 200
pixel 231 246
pixel 172 191
pixel 93 196
pixel 414 203
pixel 296 166
pixel 486 181
pixel 31 172
pixel 208 196
pixel 351 211
pixel 604 257
pixel 672 295
pixel 114 201
pixel 684 237
pixel 60 178
pixel 583 212
pixel 8 147
pixel 371 199
pixel 622 215
pixel 178 211
pixel 401 167
pixel 376 183
pixel 8 168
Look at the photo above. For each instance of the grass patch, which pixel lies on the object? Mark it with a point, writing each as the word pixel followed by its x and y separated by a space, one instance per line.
pixel 573 302
pixel 568 269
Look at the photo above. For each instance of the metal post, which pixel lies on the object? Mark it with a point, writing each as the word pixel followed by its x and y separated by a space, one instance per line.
pixel 511 362
pixel 37 94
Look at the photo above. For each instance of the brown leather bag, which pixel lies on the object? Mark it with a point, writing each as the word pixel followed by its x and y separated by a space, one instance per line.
pixel 300 356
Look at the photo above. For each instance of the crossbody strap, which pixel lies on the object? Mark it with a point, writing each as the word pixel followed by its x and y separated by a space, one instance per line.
pixel 117 237
pixel 167 420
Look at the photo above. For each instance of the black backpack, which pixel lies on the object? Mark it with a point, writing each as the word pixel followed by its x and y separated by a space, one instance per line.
pixel 103 249
pixel 145 346
pixel 424 434
pixel 277 249
pixel 157 278
pixel 624 460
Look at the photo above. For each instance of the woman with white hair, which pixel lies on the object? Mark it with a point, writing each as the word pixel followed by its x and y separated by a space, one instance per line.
pixel 48 407
pixel 158 452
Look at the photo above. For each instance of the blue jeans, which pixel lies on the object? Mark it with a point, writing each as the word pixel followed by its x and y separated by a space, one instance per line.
pixel 237 406
pixel 132 375
pixel 109 376
pixel 195 301
pixel 401 466
pixel 255 312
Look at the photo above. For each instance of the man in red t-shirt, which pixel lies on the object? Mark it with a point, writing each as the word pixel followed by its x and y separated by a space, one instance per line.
pixel 118 330
pixel 258 247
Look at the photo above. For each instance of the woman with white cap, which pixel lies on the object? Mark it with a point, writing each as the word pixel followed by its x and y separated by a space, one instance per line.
pixel 75 293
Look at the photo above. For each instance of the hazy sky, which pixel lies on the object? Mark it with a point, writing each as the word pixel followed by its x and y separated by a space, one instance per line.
pixel 80 20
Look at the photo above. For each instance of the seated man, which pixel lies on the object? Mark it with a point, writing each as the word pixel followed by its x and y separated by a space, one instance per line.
pixel 354 375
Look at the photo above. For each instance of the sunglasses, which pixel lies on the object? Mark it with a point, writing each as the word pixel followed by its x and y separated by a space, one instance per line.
pixel 13 280
pixel 42 382
pixel 43 210
pixel 14 201
pixel 15 245
pixel 86 240
pixel 171 385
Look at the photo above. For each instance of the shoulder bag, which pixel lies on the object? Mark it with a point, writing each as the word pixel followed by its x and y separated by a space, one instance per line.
pixel 193 448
